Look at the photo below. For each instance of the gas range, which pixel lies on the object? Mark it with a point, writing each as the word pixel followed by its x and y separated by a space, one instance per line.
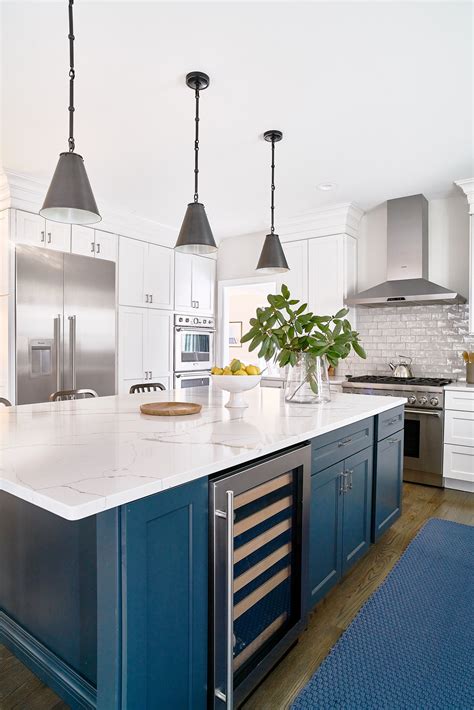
pixel 421 392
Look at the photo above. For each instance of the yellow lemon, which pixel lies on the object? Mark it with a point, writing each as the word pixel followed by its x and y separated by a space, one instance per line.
pixel 240 372
pixel 217 370
pixel 227 371
pixel 252 370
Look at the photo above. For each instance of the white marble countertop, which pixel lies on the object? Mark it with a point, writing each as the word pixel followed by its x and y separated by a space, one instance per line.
pixel 79 458
pixel 456 386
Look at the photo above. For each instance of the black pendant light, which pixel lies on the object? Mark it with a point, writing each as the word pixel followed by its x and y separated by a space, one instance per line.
pixel 272 258
pixel 69 198
pixel 195 236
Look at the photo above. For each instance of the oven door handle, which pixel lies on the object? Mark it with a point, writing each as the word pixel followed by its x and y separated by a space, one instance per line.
pixel 423 411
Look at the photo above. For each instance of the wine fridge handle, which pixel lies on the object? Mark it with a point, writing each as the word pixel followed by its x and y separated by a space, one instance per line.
pixel 230 602
pixel 227 697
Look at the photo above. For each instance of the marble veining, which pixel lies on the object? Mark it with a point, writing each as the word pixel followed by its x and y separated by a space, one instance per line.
pixel 79 458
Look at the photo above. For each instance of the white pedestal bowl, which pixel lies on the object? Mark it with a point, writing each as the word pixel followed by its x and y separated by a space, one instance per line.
pixel 235 385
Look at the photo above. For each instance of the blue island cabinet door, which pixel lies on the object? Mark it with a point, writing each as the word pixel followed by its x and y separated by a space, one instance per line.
pixel 325 540
pixel 388 483
pixel 164 573
pixel 357 509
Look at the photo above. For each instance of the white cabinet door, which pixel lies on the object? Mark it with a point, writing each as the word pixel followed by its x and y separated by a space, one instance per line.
pixel 297 277
pixel 459 463
pixel 459 428
pixel 157 348
pixel 204 283
pixel 326 275
pixel 82 240
pixel 183 265
pixel 132 258
pixel 132 330
pixel 159 276
pixel 58 236
pixel 30 229
pixel 105 245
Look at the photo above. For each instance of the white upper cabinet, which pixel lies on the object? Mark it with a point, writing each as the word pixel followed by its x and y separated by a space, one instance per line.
pixel 144 346
pixel 195 278
pixel 204 279
pixel 39 232
pixel 94 243
pixel 331 273
pixel 132 256
pixel 159 276
pixel 297 277
pixel 183 289
pixel 145 274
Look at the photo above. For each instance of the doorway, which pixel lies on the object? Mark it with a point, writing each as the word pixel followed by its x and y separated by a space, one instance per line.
pixel 238 300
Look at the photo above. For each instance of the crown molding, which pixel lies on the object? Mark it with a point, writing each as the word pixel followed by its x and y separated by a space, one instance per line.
pixel 342 218
pixel 25 193
pixel 467 186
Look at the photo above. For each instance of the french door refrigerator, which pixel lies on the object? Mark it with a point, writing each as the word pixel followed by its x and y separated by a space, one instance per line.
pixel 65 324
pixel 259 574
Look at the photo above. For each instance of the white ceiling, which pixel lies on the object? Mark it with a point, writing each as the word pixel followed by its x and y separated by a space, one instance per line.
pixel 374 96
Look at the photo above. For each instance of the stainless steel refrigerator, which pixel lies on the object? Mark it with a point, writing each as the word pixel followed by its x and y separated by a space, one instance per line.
pixel 65 324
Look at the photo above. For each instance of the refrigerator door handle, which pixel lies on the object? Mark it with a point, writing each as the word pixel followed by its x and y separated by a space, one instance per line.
pixel 72 350
pixel 57 323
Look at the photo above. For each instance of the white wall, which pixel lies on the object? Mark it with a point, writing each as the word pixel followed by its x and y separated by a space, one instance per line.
pixel 238 256
pixel 448 243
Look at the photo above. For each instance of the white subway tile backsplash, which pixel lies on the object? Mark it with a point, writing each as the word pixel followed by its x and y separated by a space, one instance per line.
pixel 434 336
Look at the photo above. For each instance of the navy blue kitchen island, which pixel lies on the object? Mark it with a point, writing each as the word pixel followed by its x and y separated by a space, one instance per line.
pixel 111 609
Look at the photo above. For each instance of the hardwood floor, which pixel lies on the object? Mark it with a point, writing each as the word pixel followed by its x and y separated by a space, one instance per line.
pixel 22 690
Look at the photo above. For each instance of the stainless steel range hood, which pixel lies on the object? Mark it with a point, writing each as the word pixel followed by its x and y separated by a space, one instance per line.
pixel 407 261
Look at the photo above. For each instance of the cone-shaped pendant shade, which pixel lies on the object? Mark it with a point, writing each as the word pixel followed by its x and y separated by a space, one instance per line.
pixel 195 236
pixel 272 258
pixel 69 198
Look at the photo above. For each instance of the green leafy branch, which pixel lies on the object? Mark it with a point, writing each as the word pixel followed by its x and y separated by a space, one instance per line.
pixel 286 328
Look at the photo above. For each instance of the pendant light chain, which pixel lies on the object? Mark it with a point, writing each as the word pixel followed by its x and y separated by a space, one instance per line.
pixel 196 149
pixel 72 76
pixel 272 208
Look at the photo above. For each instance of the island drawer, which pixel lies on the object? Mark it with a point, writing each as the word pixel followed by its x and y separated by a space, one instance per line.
pixel 337 445
pixel 390 422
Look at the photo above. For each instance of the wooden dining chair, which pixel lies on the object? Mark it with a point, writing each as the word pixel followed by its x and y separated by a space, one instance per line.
pixel 64 395
pixel 144 387
pixel 5 402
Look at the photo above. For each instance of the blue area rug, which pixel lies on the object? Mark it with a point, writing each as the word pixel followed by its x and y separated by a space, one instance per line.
pixel 412 644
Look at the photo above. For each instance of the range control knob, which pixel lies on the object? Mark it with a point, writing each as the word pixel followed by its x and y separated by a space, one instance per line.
pixel 196 321
pixel 434 401
pixel 180 320
pixel 423 399
pixel 412 399
pixel 187 320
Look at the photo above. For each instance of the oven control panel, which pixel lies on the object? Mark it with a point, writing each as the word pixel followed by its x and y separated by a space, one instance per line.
pixel 182 319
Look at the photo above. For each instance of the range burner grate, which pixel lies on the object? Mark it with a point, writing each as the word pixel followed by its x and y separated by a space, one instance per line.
pixel 387 380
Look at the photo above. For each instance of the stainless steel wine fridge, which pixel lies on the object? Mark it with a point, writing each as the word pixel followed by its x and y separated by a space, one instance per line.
pixel 259 538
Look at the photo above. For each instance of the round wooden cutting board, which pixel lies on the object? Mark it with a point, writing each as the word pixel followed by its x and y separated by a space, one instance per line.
pixel 170 409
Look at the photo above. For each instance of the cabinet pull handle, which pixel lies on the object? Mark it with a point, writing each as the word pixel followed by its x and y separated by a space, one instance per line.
pixel 392 441
pixel 43 236
pixel 342 483
pixel 392 421
pixel 92 247
pixel 146 374
pixel 344 442
pixel 151 375
pixel 49 237
pixel 349 473
pixel 151 298
pixel 146 298
pixel 228 695
pixel 98 248
pixel 197 302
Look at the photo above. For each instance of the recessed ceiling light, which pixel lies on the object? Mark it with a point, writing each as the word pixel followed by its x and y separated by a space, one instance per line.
pixel 327 186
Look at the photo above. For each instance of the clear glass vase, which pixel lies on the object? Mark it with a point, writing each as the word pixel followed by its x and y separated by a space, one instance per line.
pixel 308 380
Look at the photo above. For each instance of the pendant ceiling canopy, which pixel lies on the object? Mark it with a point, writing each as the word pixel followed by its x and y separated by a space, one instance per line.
pixel 272 257
pixel 195 235
pixel 70 198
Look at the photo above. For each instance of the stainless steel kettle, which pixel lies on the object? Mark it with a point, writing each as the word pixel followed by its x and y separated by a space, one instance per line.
pixel 403 368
